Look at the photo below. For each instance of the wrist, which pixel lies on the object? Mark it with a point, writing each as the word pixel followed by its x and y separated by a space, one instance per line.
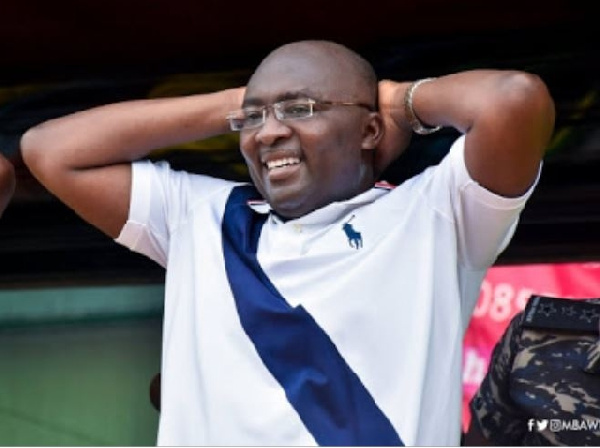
pixel 237 96
pixel 411 116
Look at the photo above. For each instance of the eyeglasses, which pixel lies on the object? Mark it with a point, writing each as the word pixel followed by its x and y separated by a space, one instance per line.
pixel 296 109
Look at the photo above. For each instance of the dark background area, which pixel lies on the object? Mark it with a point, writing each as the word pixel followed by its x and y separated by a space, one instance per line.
pixel 66 55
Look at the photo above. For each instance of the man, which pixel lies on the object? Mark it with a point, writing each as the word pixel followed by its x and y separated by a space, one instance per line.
pixel 7 182
pixel 333 312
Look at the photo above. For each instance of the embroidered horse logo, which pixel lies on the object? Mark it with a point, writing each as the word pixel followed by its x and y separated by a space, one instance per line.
pixel 354 237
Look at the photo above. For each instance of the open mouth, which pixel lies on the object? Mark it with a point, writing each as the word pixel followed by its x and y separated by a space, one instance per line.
pixel 280 163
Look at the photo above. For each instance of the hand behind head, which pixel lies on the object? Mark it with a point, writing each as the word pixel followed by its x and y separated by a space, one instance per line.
pixel 397 132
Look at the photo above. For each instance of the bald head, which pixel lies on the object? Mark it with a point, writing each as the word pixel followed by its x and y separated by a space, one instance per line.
pixel 322 66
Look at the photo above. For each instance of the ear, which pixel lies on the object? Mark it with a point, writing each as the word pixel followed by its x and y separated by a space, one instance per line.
pixel 372 131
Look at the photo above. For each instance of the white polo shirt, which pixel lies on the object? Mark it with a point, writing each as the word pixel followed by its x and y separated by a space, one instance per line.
pixel 393 291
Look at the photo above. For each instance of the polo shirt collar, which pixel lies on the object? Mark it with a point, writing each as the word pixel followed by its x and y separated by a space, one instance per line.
pixel 325 215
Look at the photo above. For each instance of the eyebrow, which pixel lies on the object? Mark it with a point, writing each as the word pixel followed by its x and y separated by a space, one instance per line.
pixel 292 95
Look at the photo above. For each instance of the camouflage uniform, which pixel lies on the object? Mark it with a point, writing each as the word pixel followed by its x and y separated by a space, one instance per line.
pixel 546 366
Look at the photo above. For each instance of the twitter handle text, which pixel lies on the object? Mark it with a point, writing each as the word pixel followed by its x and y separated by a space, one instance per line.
pixel 558 425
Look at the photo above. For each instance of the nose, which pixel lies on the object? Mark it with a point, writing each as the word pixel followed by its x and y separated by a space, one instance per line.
pixel 272 130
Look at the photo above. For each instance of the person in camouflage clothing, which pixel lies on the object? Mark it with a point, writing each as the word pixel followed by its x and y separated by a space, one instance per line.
pixel 543 382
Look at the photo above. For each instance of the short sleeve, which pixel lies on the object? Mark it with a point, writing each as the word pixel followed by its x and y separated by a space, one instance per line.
pixel 161 199
pixel 485 221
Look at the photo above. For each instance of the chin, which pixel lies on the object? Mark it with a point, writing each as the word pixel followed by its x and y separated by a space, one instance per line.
pixel 289 212
pixel 289 204
pixel 291 209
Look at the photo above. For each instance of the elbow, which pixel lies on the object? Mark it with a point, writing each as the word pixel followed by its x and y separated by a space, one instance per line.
pixel 7 182
pixel 33 147
pixel 530 93
pixel 528 100
pixel 29 146
pixel 7 170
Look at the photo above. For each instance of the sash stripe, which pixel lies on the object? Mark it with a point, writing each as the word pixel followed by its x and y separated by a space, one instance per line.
pixel 328 396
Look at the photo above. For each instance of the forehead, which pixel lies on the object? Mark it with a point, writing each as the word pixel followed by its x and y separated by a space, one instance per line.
pixel 287 73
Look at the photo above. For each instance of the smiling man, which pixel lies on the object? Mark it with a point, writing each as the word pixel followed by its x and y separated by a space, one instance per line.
pixel 313 306
pixel 307 166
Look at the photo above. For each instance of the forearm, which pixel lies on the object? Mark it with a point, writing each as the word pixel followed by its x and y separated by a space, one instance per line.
pixel 128 131
pixel 507 116
pixel 476 97
pixel 84 158
pixel 7 183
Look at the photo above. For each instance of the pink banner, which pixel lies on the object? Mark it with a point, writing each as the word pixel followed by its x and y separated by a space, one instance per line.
pixel 504 292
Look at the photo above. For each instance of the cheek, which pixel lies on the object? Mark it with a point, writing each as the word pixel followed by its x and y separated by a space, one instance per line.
pixel 345 162
pixel 249 152
pixel 339 151
pixel 324 139
pixel 246 146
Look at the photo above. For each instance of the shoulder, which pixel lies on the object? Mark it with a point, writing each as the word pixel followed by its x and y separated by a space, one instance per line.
pixel 175 183
pixel 548 363
pixel 559 342
pixel 553 337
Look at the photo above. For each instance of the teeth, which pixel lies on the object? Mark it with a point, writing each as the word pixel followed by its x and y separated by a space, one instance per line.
pixel 282 162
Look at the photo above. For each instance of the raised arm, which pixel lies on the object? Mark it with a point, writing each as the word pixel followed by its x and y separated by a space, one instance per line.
pixel 85 158
pixel 507 116
pixel 7 182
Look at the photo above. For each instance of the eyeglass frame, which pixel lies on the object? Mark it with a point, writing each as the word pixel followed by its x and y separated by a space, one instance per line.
pixel 279 114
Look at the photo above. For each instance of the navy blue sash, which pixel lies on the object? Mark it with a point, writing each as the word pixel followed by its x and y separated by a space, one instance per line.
pixel 328 396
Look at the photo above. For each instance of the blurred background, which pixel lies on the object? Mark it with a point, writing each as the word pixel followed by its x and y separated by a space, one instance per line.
pixel 80 317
